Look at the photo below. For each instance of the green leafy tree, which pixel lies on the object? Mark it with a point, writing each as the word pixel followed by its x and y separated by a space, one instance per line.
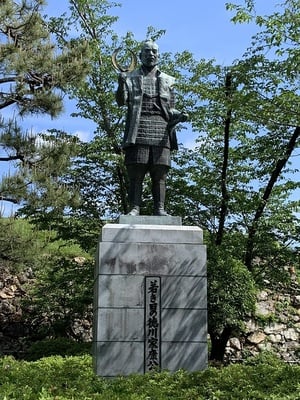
pixel 272 82
pixel 68 281
pixel 239 180
pixel 19 245
pixel 231 298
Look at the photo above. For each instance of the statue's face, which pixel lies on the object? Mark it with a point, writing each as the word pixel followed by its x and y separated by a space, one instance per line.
pixel 149 55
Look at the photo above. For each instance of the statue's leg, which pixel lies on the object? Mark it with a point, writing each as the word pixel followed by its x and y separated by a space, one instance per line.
pixel 158 175
pixel 136 175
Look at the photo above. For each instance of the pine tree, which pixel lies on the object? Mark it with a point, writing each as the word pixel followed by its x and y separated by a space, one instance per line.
pixel 33 77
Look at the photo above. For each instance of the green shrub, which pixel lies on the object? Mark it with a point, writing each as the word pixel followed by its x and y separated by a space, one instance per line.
pixel 264 358
pixel 72 378
pixel 59 346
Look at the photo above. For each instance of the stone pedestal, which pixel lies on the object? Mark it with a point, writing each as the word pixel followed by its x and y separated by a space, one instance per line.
pixel 150 297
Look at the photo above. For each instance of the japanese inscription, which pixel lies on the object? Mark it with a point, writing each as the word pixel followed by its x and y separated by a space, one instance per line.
pixel 152 323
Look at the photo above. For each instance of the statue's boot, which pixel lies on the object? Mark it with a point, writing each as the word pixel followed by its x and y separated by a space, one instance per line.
pixel 159 194
pixel 135 210
pixel 135 199
pixel 136 176
pixel 159 209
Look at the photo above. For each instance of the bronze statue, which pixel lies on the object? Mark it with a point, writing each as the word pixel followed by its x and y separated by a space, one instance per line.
pixel 150 133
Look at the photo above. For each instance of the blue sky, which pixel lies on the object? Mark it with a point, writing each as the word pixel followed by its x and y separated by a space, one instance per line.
pixel 200 26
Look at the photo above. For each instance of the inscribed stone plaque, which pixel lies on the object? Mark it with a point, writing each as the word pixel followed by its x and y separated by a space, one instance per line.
pixel 152 323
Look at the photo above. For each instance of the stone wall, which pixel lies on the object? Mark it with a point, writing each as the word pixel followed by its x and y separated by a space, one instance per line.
pixel 275 328
pixel 17 334
pixel 13 331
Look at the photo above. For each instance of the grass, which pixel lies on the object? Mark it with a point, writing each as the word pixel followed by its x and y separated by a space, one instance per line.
pixel 66 378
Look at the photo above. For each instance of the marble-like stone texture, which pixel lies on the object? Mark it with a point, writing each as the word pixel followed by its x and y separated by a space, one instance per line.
pixel 127 254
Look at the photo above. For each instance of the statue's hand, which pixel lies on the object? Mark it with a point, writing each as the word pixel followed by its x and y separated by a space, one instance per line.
pixel 179 117
pixel 176 117
pixel 184 117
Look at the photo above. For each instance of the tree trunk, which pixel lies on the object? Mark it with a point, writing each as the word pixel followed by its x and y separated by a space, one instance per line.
pixel 218 344
pixel 225 196
pixel 280 164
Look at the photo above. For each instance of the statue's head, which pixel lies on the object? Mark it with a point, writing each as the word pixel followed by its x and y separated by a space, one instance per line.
pixel 149 54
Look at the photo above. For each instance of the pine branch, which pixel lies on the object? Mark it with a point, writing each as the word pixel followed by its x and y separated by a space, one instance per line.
pixel 8 79
pixel 12 158
pixel 9 199
pixel 7 103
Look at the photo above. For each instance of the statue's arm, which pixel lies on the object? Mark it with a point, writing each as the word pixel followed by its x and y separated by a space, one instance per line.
pixel 175 115
pixel 122 90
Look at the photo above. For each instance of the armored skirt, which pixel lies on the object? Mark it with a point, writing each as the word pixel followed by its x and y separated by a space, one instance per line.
pixel 149 155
